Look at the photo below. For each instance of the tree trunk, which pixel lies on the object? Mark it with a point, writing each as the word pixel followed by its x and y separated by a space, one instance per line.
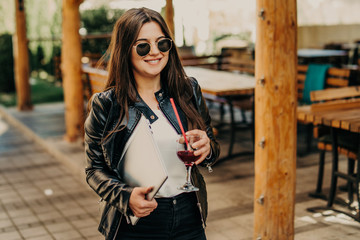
pixel 21 59
pixel 71 70
pixel 275 119
pixel 169 16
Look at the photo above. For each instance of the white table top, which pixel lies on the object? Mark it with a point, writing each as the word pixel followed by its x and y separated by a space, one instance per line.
pixel 222 83
pixel 320 53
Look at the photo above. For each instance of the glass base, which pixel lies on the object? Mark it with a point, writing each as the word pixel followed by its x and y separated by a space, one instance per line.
pixel 188 188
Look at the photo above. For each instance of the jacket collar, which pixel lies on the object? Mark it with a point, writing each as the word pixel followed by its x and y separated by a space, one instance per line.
pixel 145 109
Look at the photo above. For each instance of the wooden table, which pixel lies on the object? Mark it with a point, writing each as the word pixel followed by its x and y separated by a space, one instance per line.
pixel 225 85
pixel 316 53
pixel 222 83
pixel 307 56
pixel 344 115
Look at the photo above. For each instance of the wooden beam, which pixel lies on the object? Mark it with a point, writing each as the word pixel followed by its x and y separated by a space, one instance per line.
pixel 169 16
pixel 71 70
pixel 335 93
pixel 21 59
pixel 275 119
pixel 336 104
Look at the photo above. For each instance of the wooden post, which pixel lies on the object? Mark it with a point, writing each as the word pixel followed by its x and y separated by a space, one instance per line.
pixel 71 70
pixel 21 59
pixel 169 16
pixel 275 119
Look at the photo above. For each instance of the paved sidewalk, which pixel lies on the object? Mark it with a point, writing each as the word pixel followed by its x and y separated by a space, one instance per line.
pixel 39 197
pixel 43 194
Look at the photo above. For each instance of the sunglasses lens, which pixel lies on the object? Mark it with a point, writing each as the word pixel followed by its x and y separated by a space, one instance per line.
pixel 164 45
pixel 143 49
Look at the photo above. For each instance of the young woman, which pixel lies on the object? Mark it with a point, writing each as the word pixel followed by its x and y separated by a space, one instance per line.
pixel 144 73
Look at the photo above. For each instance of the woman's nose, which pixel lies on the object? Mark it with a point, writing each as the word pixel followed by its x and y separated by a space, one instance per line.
pixel 154 50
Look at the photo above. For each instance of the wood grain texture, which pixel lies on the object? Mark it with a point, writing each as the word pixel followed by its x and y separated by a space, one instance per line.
pixel 336 93
pixel 71 70
pixel 21 59
pixel 275 119
pixel 169 16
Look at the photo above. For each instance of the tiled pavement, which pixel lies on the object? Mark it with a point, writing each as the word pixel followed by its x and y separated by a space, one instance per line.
pixel 43 194
pixel 39 197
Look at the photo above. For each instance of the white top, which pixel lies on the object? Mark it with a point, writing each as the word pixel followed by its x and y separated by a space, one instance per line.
pixel 165 136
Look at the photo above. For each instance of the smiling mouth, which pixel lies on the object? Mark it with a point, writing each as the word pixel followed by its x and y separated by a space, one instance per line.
pixel 153 60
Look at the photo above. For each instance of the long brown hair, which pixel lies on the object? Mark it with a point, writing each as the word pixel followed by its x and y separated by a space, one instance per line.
pixel 121 77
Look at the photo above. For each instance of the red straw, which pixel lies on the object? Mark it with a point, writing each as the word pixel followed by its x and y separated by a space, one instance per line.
pixel 178 118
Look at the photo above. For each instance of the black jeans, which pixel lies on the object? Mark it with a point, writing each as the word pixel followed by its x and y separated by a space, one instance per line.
pixel 176 218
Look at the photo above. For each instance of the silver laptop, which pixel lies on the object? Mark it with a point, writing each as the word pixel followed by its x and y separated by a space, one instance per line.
pixel 142 164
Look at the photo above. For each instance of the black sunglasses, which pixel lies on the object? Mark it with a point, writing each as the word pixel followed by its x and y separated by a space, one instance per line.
pixel 164 45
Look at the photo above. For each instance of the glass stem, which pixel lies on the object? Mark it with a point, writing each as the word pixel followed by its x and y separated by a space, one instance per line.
pixel 188 174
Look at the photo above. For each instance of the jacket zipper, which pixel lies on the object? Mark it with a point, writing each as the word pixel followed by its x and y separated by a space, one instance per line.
pixel 118 226
pixel 200 209
pixel 127 218
pixel 209 167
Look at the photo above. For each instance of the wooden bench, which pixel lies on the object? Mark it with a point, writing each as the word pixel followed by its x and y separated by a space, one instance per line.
pixel 94 81
pixel 206 61
pixel 335 94
pixel 239 65
pixel 238 59
pixel 229 60
pixel 335 78
pixel 330 99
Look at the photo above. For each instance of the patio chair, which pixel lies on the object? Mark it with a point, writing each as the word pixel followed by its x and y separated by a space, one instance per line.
pixel 333 78
pixel 348 145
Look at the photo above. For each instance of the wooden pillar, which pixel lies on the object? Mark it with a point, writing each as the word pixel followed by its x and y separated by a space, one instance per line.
pixel 71 70
pixel 21 59
pixel 169 16
pixel 275 119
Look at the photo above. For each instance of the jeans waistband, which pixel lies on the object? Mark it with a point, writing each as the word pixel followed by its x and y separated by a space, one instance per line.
pixel 180 197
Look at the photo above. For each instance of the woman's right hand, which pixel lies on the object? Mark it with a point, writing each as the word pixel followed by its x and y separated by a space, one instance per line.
pixel 138 203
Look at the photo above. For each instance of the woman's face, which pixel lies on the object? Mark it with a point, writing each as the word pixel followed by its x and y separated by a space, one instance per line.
pixel 153 63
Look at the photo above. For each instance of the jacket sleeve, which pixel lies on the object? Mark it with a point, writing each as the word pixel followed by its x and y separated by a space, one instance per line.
pixel 204 112
pixel 99 175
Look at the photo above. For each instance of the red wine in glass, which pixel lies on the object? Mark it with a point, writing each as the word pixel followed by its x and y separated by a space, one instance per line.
pixel 187 157
pixel 185 153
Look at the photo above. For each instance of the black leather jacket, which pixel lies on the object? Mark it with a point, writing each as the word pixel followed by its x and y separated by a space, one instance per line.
pixel 103 156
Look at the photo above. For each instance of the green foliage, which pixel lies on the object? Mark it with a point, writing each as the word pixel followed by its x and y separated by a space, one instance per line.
pixel 43 22
pixel 49 67
pixel 7 82
pixel 97 21
pixel 100 20
pixel 40 58
pixel 42 91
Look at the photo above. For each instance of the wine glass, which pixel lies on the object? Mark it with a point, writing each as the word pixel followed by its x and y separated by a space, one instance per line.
pixel 186 154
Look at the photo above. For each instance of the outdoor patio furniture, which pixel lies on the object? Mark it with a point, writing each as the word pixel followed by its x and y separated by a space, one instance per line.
pixel 232 88
pixel 335 57
pixel 343 119
pixel 334 78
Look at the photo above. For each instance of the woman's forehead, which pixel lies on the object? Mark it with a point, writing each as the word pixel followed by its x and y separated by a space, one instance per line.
pixel 150 30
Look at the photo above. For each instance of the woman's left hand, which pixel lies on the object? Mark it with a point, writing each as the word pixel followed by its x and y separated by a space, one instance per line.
pixel 202 146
